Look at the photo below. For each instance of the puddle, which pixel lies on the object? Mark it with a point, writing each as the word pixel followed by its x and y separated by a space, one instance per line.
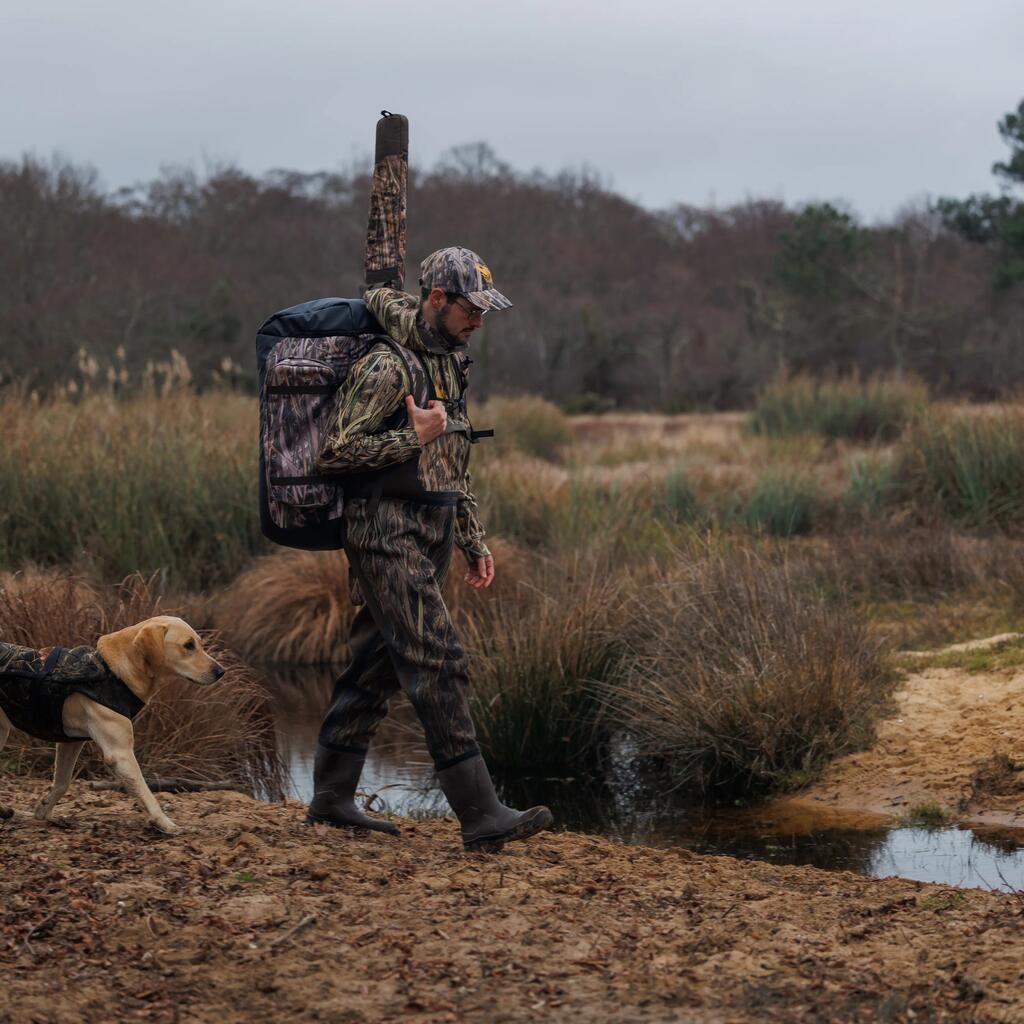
pixel 398 769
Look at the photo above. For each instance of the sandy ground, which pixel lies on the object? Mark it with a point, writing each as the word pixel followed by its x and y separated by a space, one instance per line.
pixel 939 749
pixel 250 916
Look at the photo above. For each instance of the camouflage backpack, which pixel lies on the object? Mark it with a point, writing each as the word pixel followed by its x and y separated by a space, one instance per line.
pixel 304 354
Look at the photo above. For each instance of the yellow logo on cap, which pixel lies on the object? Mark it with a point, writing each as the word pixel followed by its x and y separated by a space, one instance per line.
pixel 485 274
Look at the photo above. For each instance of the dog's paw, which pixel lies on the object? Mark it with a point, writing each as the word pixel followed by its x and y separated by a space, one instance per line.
pixel 165 825
pixel 6 813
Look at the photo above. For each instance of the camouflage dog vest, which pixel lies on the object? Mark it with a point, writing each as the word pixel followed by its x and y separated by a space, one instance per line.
pixel 34 685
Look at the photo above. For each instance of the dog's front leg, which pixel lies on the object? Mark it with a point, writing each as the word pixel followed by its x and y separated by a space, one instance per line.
pixel 116 739
pixel 63 769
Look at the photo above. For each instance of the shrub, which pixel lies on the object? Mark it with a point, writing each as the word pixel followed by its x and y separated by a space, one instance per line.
pixel 968 467
pixel 743 678
pixel 874 410
pixel 526 424
pixel 201 732
pixel 780 505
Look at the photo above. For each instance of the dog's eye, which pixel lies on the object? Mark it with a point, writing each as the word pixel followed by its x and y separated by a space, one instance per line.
pixel 190 645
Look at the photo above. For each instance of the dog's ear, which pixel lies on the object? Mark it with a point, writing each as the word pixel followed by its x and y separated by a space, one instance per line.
pixel 149 645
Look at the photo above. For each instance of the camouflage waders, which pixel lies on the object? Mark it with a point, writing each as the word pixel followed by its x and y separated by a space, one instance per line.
pixel 403 635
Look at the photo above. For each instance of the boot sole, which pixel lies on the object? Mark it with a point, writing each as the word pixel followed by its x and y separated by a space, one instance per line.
pixel 537 822
pixel 385 827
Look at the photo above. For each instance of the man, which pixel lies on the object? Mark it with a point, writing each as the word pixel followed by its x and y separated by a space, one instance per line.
pixel 407 503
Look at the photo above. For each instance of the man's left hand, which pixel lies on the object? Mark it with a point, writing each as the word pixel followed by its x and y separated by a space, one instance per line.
pixel 481 572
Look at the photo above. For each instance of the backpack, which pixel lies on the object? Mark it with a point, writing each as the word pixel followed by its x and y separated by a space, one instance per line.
pixel 304 354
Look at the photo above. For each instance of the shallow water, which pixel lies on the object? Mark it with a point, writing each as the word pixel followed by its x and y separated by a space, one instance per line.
pixel 398 770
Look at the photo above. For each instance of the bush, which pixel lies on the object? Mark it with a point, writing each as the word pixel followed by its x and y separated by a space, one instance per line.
pixel 968 467
pixel 873 410
pixel 745 680
pixel 201 732
pixel 529 425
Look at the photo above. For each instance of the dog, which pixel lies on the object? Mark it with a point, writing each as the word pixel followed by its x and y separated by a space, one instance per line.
pixel 73 695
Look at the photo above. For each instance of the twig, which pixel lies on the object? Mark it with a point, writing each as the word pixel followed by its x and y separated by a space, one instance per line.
pixel 175 785
pixel 308 920
pixel 37 928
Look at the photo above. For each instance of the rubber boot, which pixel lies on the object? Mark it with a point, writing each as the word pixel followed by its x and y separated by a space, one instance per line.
pixel 487 824
pixel 335 777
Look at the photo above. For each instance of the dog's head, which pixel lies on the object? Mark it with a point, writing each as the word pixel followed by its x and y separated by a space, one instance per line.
pixel 158 648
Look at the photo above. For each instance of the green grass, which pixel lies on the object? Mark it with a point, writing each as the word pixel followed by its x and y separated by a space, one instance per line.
pixel 927 815
pixel 874 410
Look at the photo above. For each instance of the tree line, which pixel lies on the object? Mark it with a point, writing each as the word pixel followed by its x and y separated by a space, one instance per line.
pixel 615 305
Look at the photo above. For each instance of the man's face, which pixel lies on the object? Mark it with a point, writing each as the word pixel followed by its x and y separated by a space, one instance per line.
pixel 456 317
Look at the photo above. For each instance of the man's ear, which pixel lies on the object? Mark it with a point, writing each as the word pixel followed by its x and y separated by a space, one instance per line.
pixel 149 645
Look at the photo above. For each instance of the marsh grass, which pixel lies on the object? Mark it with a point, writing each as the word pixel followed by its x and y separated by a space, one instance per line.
pixel 539 656
pixel 969 468
pixel 871 410
pixel 110 488
pixel 744 678
pixel 219 732
pixel 781 505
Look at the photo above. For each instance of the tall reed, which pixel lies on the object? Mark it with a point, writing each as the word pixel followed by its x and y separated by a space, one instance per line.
pixel 111 487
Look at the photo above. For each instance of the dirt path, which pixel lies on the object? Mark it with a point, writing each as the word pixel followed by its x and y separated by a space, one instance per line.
pixel 249 916
pixel 955 744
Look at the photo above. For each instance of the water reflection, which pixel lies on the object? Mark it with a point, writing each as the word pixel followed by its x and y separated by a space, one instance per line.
pixel 628 805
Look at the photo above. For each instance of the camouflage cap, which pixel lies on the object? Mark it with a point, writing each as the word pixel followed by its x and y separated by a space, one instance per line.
pixel 460 270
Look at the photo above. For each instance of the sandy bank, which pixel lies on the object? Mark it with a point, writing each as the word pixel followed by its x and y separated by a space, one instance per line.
pixel 250 916
pixel 950 723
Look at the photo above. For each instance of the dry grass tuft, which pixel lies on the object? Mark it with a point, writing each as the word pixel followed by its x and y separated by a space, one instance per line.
pixel 217 732
pixel 745 680
pixel 539 655
pixel 291 606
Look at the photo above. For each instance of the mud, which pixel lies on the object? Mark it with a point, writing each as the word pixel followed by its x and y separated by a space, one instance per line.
pixel 250 916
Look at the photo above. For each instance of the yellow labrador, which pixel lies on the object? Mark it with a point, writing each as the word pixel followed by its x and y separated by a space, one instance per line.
pixel 74 695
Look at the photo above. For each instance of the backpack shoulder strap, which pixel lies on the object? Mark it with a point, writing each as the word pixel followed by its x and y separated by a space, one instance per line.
pixel 419 376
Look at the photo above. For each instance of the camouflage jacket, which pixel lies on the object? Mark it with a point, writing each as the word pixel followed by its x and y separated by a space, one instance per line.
pixel 377 385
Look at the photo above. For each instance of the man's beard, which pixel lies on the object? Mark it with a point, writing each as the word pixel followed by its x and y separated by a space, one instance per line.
pixel 441 327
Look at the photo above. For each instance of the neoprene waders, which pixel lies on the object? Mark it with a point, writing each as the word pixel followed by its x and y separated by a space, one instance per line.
pixel 487 824
pixel 335 777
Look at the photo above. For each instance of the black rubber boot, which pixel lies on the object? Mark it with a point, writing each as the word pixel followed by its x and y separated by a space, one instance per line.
pixel 335 777
pixel 487 824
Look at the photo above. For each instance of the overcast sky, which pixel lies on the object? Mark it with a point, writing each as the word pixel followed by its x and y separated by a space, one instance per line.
pixel 697 101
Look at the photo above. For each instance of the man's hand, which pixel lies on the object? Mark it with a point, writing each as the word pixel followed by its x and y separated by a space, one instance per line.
pixel 481 574
pixel 428 423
